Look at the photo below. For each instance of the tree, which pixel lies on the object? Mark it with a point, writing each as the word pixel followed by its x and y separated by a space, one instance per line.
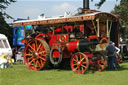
pixel 3 5
pixel 122 11
pixel 100 3
pixel 4 27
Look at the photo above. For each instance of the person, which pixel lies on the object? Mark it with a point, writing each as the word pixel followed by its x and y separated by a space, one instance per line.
pixel 14 54
pixel 3 61
pixel 117 59
pixel 19 57
pixel 111 56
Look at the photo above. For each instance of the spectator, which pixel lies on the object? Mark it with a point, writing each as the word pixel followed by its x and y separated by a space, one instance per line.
pixel 111 56
pixel 3 61
pixel 117 59
pixel 14 54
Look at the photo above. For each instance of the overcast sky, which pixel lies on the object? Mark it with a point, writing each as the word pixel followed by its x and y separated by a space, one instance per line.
pixel 33 8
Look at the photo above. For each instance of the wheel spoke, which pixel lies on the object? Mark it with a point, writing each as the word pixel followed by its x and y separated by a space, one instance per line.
pixel 74 60
pixel 41 62
pixel 83 66
pixel 75 68
pixel 31 47
pixel 30 58
pixel 42 52
pixel 33 60
pixel 30 50
pixel 75 64
pixel 80 57
pixel 78 68
pixel 42 58
pixel 37 63
pixel 28 54
pixel 84 62
pixel 38 47
pixel 101 67
pixel 76 57
pixel 34 47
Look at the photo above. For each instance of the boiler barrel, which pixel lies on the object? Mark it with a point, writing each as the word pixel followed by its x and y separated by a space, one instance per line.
pixel 81 45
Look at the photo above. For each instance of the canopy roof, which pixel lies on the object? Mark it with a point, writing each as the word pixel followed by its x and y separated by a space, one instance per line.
pixel 82 17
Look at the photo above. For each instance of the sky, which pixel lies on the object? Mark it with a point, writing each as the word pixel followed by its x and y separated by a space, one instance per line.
pixel 34 8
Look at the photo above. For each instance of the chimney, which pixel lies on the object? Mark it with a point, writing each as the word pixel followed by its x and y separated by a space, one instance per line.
pixel 86 4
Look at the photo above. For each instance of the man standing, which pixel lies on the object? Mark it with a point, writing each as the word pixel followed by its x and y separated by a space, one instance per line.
pixel 111 55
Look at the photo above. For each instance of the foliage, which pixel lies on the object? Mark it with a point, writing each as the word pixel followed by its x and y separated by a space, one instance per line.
pixel 4 27
pixel 100 3
pixel 122 11
pixel 3 5
pixel 20 75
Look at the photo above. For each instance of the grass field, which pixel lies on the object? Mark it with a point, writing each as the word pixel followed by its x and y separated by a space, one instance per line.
pixel 21 75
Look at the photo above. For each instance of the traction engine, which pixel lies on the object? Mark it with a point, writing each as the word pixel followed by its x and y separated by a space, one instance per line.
pixel 80 40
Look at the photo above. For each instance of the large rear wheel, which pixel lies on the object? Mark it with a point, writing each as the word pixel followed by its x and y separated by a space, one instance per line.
pixel 36 54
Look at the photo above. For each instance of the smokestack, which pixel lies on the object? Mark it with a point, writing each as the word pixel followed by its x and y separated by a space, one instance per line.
pixel 85 4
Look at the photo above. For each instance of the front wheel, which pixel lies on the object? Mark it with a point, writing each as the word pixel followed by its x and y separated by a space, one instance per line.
pixel 79 63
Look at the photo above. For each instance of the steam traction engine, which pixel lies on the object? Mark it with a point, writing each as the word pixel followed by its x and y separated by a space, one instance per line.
pixel 82 39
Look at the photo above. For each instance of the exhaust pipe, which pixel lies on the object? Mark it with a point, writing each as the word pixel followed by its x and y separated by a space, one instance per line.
pixel 85 4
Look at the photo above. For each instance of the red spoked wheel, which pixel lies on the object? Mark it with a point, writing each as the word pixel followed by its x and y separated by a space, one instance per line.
pixel 101 62
pixel 36 54
pixel 79 63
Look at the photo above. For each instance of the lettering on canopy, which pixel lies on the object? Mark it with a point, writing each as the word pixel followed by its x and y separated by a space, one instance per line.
pixel 53 21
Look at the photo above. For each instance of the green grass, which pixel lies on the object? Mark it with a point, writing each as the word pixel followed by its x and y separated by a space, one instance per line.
pixel 21 75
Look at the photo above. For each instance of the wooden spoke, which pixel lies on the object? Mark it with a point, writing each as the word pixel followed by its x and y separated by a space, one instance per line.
pixel 75 60
pixel 30 58
pixel 80 57
pixel 84 62
pixel 34 47
pixel 33 60
pixel 31 47
pixel 42 52
pixel 76 56
pixel 42 58
pixel 38 47
pixel 75 69
pixel 28 54
pixel 79 69
pixel 75 64
pixel 30 50
pixel 41 62
pixel 83 66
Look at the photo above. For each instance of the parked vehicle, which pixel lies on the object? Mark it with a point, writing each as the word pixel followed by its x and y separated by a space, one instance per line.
pixel 5 47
